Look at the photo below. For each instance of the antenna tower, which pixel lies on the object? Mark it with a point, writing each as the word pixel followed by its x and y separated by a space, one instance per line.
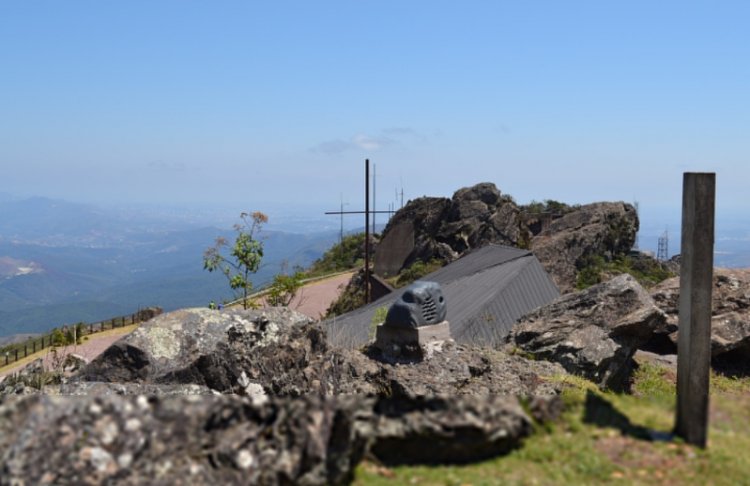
pixel 662 253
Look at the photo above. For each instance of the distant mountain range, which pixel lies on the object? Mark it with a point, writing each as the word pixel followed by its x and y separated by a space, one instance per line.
pixel 63 262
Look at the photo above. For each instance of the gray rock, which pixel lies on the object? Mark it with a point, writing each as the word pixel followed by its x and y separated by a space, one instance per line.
pixel 444 229
pixel 442 430
pixel 455 369
pixel 730 321
pixel 287 355
pixel 593 333
pixel 188 346
pixel 73 362
pixel 232 440
pixel 603 229
pixel 666 361
pixel 180 440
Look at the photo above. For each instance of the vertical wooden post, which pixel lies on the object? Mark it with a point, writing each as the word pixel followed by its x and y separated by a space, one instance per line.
pixel 696 282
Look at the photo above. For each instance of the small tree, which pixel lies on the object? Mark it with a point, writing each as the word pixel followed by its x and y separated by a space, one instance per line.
pixel 284 288
pixel 244 255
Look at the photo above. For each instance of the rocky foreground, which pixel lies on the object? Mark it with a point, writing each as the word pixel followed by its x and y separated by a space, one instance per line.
pixel 261 397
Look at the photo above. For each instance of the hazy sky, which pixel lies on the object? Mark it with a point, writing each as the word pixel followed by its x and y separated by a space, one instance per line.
pixel 250 102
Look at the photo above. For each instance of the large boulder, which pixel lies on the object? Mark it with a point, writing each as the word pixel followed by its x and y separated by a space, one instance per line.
pixel 593 333
pixel 188 346
pixel 180 440
pixel 439 430
pixel 603 229
pixel 430 228
pixel 730 320
pixel 285 354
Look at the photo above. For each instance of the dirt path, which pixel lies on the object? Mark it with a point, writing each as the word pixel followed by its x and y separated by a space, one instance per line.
pixel 314 299
pixel 89 349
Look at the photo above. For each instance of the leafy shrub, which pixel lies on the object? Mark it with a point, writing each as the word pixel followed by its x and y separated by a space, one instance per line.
pixel 347 254
pixel 416 271
pixel 595 268
pixel 549 206
pixel 284 288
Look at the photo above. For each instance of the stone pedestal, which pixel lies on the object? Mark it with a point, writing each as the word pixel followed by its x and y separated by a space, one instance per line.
pixel 396 340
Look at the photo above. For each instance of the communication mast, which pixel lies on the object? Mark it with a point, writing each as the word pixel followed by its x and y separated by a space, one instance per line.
pixel 662 253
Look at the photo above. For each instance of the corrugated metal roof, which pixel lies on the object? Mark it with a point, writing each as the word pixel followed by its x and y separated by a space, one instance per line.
pixel 486 292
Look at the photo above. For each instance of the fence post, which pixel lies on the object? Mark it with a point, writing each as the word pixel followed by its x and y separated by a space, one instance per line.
pixel 33 347
pixel 696 283
pixel 16 354
pixel 25 350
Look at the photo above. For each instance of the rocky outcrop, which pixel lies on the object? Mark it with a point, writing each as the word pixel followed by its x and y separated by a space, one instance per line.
pixel 232 440
pixel 443 229
pixel 599 229
pixel 730 321
pixel 285 354
pixel 593 333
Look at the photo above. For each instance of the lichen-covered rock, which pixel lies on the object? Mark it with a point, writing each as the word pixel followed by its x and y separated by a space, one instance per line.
pixel 285 355
pixel 225 439
pixel 600 229
pixel 180 440
pixel 593 333
pixel 183 346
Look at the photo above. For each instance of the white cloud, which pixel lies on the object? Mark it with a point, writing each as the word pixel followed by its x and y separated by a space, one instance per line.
pixel 362 141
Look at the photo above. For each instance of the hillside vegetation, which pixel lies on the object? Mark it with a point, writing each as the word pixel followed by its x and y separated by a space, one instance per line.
pixel 344 255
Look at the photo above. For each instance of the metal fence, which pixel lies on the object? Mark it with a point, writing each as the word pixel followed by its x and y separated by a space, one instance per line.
pixel 14 352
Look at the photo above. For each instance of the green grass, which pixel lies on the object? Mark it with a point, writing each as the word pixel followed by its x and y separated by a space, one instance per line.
pixel 604 438
pixel 594 269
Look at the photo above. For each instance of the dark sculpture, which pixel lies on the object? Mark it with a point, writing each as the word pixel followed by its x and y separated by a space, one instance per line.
pixel 421 304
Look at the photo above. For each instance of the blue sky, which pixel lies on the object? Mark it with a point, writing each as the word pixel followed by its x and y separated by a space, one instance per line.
pixel 256 103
